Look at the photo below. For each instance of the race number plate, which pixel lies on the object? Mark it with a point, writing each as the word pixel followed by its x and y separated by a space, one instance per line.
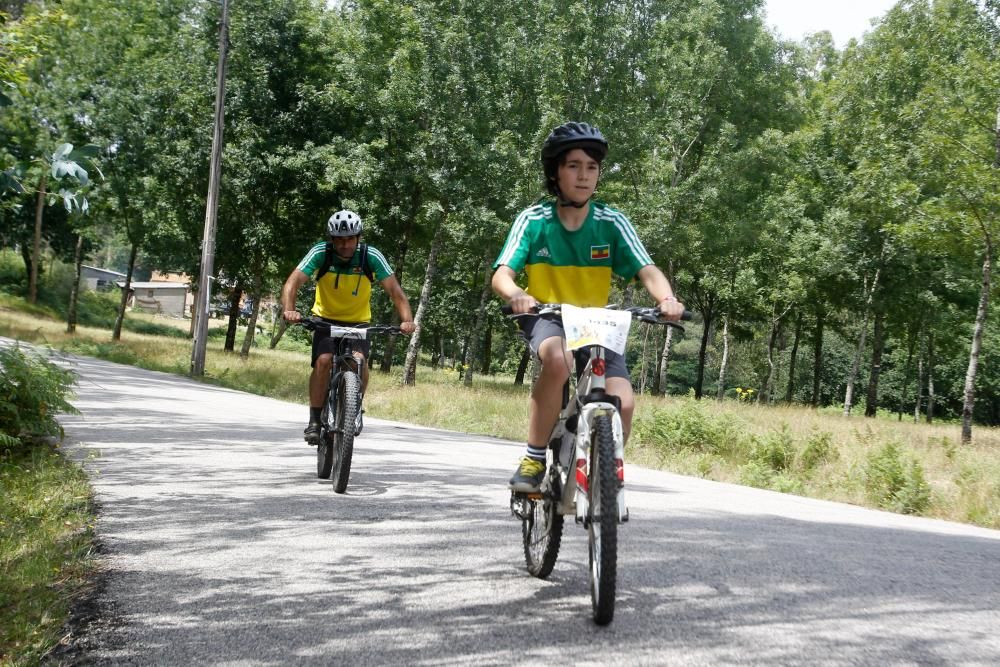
pixel 596 326
pixel 348 332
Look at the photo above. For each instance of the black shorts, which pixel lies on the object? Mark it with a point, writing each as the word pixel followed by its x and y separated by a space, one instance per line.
pixel 535 330
pixel 323 344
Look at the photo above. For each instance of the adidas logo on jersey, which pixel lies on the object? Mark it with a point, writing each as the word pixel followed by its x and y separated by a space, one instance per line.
pixel 544 252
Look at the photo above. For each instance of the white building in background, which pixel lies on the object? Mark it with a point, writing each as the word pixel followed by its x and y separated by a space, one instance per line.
pixel 163 298
pixel 93 278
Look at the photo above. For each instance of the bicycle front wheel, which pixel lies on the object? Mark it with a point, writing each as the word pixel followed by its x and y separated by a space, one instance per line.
pixel 541 532
pixel 348 405
pixel 324 449
pixel 602 526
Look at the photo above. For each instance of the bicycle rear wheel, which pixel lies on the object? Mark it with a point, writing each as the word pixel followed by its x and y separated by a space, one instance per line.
pixel 541 532
pixel 343 437
pixel 602 526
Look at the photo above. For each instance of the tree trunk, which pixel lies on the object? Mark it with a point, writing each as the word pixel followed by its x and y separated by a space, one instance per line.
pixel 664 363
pixel 36 246
pixel 817 357
pixel 977 341
pixel 258 288
pixel 910 340
pixel 764 397
pixel 74 292
pixel 484 296
pixel 487 350
pixel 234 318
pixel 645 354
pixel 522 367
pixel 123 303
pixel 413 350
pixel 388 354
pixel 279 332
pixel 706 335
pixel 790 390
pixel 930 378
pixel 878 342
pixel 721 391
pixel 856 364
pixel 920 386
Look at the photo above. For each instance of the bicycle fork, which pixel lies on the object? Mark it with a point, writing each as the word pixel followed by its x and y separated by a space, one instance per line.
pixel 580 478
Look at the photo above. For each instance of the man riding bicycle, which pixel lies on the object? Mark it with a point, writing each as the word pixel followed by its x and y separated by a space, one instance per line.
pixel 344 270
pixel 569 249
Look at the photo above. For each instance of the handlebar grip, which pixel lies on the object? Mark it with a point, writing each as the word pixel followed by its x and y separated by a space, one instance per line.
pixel 687 315
pixel 506 309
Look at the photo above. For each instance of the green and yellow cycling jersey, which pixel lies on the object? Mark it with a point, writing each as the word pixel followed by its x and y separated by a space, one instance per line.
pixel 344 292
pixel 573 267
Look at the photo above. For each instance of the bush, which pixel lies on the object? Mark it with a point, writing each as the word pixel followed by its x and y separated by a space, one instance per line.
pixel 689 426
pixel 895 484
pixel 775 450
pixel 32 391
pixel 818 449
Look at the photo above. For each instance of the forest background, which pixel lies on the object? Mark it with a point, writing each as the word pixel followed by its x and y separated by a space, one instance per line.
pixel 829 214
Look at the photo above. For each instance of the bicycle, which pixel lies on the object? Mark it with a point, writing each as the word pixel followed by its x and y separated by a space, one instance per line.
pixel 585 475
pixel 341 418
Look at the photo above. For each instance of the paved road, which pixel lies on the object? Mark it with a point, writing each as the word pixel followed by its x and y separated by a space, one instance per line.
pixel 223 548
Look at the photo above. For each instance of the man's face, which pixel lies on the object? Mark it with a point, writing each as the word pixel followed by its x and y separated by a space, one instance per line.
pixel 577 176
pixel 345 246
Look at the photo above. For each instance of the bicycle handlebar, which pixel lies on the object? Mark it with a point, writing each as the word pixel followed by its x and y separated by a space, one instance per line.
pixel 310 324
pixel 645 314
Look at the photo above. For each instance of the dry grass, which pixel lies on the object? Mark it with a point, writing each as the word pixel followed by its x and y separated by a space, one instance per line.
pixel 964 480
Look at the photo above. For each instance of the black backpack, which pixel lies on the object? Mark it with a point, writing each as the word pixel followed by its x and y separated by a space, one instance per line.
pixel 330 253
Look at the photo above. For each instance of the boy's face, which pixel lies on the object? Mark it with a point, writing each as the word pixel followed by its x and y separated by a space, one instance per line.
pixel 577 176
pixel 345 246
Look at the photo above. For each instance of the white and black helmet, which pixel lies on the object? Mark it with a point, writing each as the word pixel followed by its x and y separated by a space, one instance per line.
pixel 344 223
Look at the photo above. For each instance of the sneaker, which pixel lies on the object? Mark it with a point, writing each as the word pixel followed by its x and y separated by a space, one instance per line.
pixel 528 476
pixel 311 434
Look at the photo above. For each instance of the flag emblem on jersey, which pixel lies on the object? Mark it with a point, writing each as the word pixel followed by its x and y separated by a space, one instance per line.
pixel 600 251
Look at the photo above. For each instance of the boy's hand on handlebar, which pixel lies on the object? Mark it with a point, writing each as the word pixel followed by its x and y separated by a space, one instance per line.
pixel 522 303
pixel 407 327
pixel 292 316
pixel 671 309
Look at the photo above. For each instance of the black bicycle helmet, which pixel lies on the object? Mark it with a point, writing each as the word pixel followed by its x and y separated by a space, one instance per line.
pixel 574 135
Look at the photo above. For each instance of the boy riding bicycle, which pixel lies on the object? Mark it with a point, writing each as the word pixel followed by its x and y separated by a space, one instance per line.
pixel 344 270
pixel 569 249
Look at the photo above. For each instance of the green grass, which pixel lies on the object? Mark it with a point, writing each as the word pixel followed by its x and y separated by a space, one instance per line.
pixel 46 535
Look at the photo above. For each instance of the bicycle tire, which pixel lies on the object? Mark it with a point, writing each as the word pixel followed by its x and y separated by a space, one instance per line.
pixel 541 533
pixel 324 448
pixel 602 528
pixel 347 413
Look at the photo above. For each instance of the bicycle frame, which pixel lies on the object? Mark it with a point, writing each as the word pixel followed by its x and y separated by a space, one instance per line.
pixel 588 401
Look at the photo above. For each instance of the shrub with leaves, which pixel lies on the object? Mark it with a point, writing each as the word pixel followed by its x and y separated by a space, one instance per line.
pixel 32 391
pixel 818 449
pixel 896 484
pixel 687 425
pixel 774 450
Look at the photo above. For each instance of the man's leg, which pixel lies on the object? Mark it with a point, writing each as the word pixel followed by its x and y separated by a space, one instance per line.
pixel 317 394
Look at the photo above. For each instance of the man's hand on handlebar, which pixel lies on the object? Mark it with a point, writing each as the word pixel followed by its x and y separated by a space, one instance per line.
pixel 292 316
pixel 407 327
pixel 671 309
pixel 522 303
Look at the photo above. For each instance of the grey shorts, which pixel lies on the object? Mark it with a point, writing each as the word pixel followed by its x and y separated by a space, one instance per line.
pixel 323 344
pixel 535 330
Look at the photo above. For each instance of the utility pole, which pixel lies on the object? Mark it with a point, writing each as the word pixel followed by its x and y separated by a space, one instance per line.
pixel 212 206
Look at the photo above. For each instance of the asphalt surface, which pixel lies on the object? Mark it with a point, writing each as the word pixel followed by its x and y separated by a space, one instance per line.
pixel 222 547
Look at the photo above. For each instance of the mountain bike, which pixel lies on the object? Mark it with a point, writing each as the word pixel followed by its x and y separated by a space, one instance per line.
pixel 341 418
pixel 585 473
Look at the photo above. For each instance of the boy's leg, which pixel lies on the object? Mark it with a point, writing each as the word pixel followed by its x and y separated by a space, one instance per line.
pixel 543 411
